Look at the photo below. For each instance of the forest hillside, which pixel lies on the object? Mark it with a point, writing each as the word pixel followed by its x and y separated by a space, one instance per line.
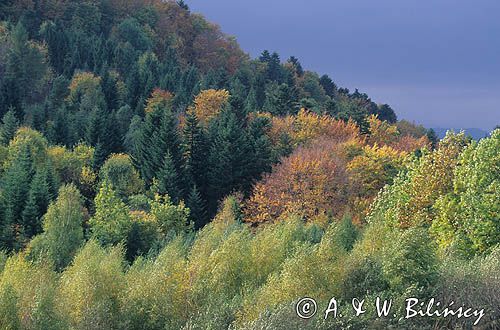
pixel 154 176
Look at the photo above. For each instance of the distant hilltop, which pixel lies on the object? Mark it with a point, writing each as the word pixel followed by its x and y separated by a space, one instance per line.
pixel 475 133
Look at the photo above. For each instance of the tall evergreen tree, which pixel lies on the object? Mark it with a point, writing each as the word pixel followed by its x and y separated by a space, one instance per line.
pixel 197 208
pixel 328 85
pixel 296 65
pixel 158 135
pixel 189 86
pixel 230 157
pixel 39 197
pixel 195 146
pixel 8 127
pixel 251 101
pixel 16 186
pixel 54 34
pixel 261 147
pixel 25 67
pixel 168 179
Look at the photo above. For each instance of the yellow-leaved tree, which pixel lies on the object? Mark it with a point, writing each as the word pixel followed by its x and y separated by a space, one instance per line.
pixel 209 103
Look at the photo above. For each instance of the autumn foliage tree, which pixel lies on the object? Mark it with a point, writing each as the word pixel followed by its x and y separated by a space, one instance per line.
pixel 410 200
pixel 311 183
pixel 306 126
pixel 209 103
pixel 467 217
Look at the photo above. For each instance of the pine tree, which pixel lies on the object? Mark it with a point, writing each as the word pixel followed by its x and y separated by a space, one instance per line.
pixel 54 35
pixel 169 140
pixel 102 132
pixel 296 65
pixel 432 136
pixel 274 70
pixel 143 152
pixel 9 127
pixel 59 130
pixel 99 156
pixel 265 56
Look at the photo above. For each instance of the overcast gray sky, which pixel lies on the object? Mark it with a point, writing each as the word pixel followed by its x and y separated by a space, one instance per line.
pixel 435 62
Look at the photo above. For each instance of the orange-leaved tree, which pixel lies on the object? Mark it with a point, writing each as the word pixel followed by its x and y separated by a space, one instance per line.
pixel 311 183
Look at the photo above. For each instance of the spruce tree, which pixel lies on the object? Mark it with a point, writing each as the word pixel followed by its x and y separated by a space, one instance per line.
pixel 25 66
pixel 16 186
pixel 169 139
pixel 143 151
pixel 261 147
pixel 230 157
pixel 168 179
pixel 109 89
pixel 158 135
pixel 39 198
pixel 195 151
pixel 347 233
pixel 197 207
pixel 188 87
pixel 251 102
pixel 59 130
pixel 328 85
pixel 9 127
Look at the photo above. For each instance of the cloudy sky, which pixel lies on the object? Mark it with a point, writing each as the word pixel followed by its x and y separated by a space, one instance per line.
pixel 436 62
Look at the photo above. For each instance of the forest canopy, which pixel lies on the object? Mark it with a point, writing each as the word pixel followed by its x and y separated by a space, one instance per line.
pixel 154 176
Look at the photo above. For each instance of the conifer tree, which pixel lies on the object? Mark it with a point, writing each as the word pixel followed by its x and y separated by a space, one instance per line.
pixel 39 198
pixel 188 87
pixel 58 130
pixel 197 207
pixel 109 89
pixel 230 157
pixel 55 36
pixel 261 148
pixel 25 67
pixel 328 85
pixel 158 135
pixel 251 101
pixel 195 151
pixel 168 179
pixel 347 232
pixel 169 140
pixel 9 127
pixel 16 186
